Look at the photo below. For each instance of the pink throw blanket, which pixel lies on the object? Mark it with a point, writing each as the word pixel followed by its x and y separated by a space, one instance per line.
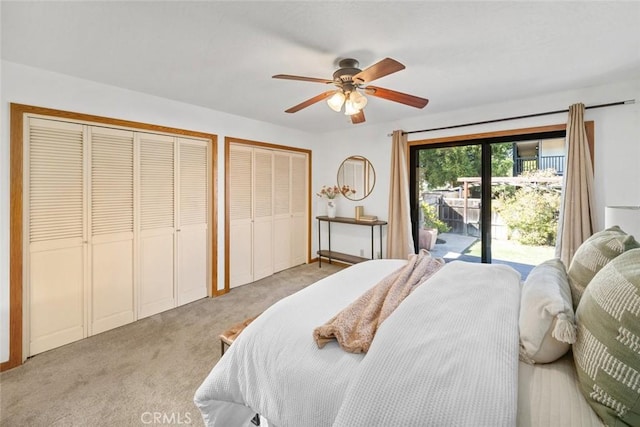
pixel 355 326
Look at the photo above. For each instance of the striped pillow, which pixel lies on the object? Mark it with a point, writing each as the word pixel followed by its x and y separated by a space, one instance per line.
pixel 607 349
pixel 594 254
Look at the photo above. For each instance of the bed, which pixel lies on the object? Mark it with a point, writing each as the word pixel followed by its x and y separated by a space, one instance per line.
pixel 548 395
pixel 448 355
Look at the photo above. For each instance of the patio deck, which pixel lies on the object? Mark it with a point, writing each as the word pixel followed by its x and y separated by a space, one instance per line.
pixel 451 246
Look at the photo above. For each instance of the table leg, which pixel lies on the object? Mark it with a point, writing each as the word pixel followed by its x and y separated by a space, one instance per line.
pixel 319 245
pixel 372 254
pixel 329 228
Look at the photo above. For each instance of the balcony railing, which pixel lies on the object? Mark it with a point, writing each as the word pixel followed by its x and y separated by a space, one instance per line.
pixel 529 164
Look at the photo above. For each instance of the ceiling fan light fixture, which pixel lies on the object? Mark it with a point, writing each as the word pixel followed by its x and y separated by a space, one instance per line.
pixel 359 101
pixel 336 101
pixel 350 107
pixel 352 84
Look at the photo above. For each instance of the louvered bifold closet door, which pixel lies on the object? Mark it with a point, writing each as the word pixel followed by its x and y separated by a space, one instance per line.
pixel 282 218
pixel 263 214
pixel 157 225
pixel 240 195
pixel 299 213
pixel 111 228
pixel 193 219
pixel 55 190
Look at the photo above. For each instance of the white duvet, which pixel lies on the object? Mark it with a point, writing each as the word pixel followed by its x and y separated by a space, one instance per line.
pixel 448 355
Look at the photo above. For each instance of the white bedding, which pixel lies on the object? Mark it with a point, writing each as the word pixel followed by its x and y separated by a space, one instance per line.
pixel 447 356
pixel 275 367
pixel 549 396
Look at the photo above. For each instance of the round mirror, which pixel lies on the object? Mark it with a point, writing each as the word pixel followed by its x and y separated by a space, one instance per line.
pixel 358 174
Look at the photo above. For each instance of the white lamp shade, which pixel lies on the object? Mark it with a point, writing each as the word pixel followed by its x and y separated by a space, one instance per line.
pixel 350 108
pixel 336 101
pixel 626 217
pixel 359 101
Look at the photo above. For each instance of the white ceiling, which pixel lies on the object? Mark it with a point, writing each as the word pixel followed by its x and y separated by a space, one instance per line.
pixel 221 55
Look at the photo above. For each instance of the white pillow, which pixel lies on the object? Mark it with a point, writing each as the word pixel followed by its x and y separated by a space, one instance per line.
pixel 547 323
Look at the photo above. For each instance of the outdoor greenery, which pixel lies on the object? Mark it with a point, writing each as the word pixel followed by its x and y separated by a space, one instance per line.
pixel 508 250
pixel 431 219
pixel 531 213
pixel 441 167
pixel 529 210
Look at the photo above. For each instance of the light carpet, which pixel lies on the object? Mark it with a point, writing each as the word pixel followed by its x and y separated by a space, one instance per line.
pixel 144 373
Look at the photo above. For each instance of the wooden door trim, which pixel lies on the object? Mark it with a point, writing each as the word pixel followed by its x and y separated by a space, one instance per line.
pixel 589 127
pixel 228 140
pixel 16 176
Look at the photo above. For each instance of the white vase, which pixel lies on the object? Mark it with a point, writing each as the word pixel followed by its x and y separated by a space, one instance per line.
pixel 331 208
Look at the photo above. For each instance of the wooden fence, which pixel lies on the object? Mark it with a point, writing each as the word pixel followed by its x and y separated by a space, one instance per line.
pixel 466 220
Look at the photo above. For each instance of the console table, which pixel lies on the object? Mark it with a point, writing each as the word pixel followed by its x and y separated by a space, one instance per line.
pixel 331 255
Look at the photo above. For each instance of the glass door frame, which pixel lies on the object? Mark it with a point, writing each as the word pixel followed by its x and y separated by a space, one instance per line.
pixel 485 141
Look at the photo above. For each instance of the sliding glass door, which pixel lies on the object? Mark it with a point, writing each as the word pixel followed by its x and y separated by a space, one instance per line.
pixel 447 195
pixel 492 200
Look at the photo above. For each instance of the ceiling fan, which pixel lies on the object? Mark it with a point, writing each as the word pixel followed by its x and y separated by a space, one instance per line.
pixel 350 81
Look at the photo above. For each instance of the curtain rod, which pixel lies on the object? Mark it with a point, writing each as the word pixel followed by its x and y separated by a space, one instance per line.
pixel 611 104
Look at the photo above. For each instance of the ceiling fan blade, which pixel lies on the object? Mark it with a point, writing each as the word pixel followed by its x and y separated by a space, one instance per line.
pixel 392 95
pixel 301 78
pixel 310 101
pixel 357 117
pixel 380 69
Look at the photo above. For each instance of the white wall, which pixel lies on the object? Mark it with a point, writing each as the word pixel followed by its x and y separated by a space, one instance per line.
pixel 4 232
pixel 617 154
pixel 31 86
pixel 552 147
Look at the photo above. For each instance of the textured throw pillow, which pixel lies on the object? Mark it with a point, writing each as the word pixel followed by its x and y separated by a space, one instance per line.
pixel 547 325
pixel 594 254
pixel 607 349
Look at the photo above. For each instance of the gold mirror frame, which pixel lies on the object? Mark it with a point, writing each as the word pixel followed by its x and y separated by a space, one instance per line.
pixel 358 173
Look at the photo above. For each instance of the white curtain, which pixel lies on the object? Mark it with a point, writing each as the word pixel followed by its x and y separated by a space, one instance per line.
pixel 399 237
pixel 576 221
